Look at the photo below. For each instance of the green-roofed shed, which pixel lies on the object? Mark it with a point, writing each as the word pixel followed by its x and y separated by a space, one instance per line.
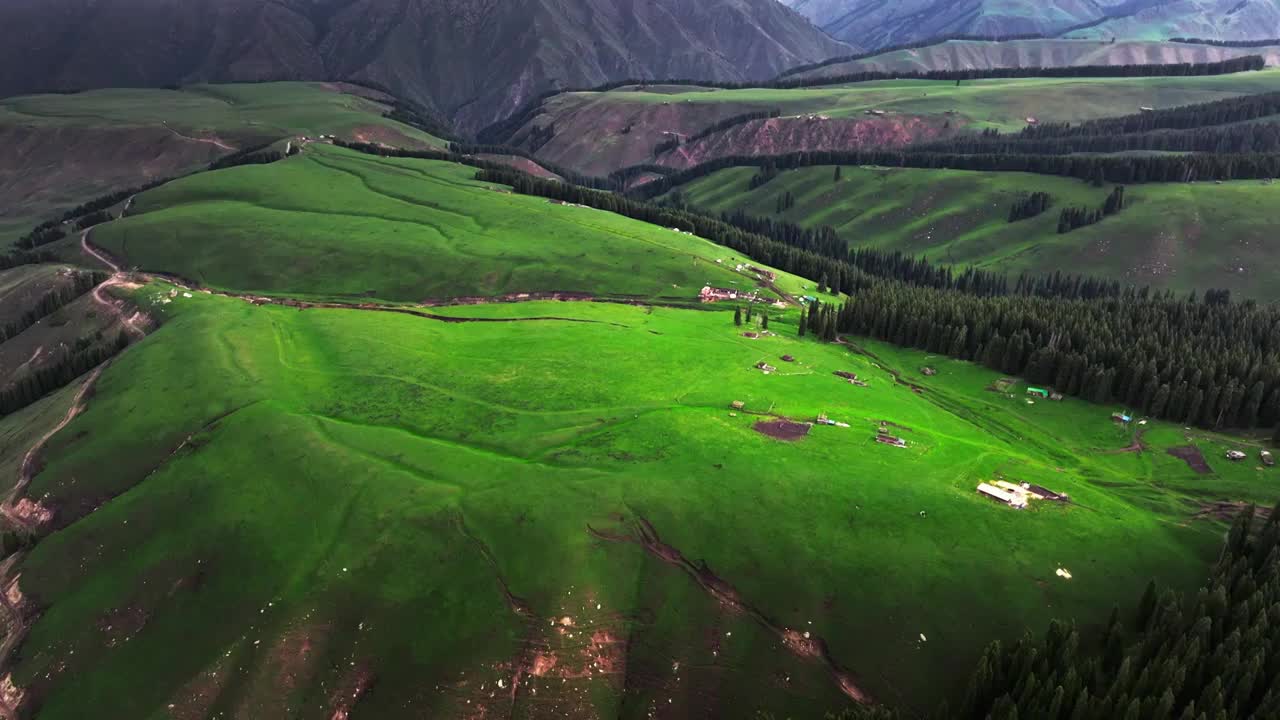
pixel 1038 391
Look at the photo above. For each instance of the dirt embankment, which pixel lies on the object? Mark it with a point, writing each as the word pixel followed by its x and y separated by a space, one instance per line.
pixel 1191 455
pixel 783 429
pixel 597 134
pixel 779 136
pixel 801 644
pixel 1228 511
pixel 522 164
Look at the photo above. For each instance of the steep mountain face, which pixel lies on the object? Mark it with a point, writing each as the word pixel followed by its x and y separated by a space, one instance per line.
pixel 1205 19
pixel 472 60
pixel 877 23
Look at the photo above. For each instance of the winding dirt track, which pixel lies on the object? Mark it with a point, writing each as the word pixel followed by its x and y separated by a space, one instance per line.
pixel 208 141
pixel 90 249
pixel 129 322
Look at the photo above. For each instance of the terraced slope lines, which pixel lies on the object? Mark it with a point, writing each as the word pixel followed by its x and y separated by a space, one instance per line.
pixel 1179 236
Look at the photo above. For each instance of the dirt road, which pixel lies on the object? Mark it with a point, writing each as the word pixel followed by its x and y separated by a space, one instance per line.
pixel 130 322
pixel 210 141
pixel 91 250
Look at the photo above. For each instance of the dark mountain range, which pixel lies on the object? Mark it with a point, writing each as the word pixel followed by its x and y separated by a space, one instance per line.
pixel 878 23
pixel 471 60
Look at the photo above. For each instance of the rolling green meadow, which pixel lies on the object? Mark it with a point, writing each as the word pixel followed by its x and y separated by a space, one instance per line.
pixel 1178 236
pixel 334 222
pixel 385 496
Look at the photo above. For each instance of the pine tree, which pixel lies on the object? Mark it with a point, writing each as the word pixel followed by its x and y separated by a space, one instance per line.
pixel 1252 406
pixel 1147 606
pixel 836 177
pixel 764 322
pixel 737 316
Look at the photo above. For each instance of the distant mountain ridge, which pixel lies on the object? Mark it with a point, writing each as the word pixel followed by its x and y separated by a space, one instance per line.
pixel 472 61
pixel 984 55
pixel 877 23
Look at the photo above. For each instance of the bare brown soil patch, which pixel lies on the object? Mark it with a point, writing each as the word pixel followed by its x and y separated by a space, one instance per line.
pixel 387 136
pixel 1191 455
pixel 1137 446
pixel 10 696
pixel 196 698
pixel 805 133
pixel 523 164
pixel 31 514
pixel 351 688
pixel 782 429
pixel 118 625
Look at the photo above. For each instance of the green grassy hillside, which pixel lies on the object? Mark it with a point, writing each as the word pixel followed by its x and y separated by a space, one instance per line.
pixel 334 222
pixel 1183 236
pixel 69 148
pixel 601 132
pixel 412 517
